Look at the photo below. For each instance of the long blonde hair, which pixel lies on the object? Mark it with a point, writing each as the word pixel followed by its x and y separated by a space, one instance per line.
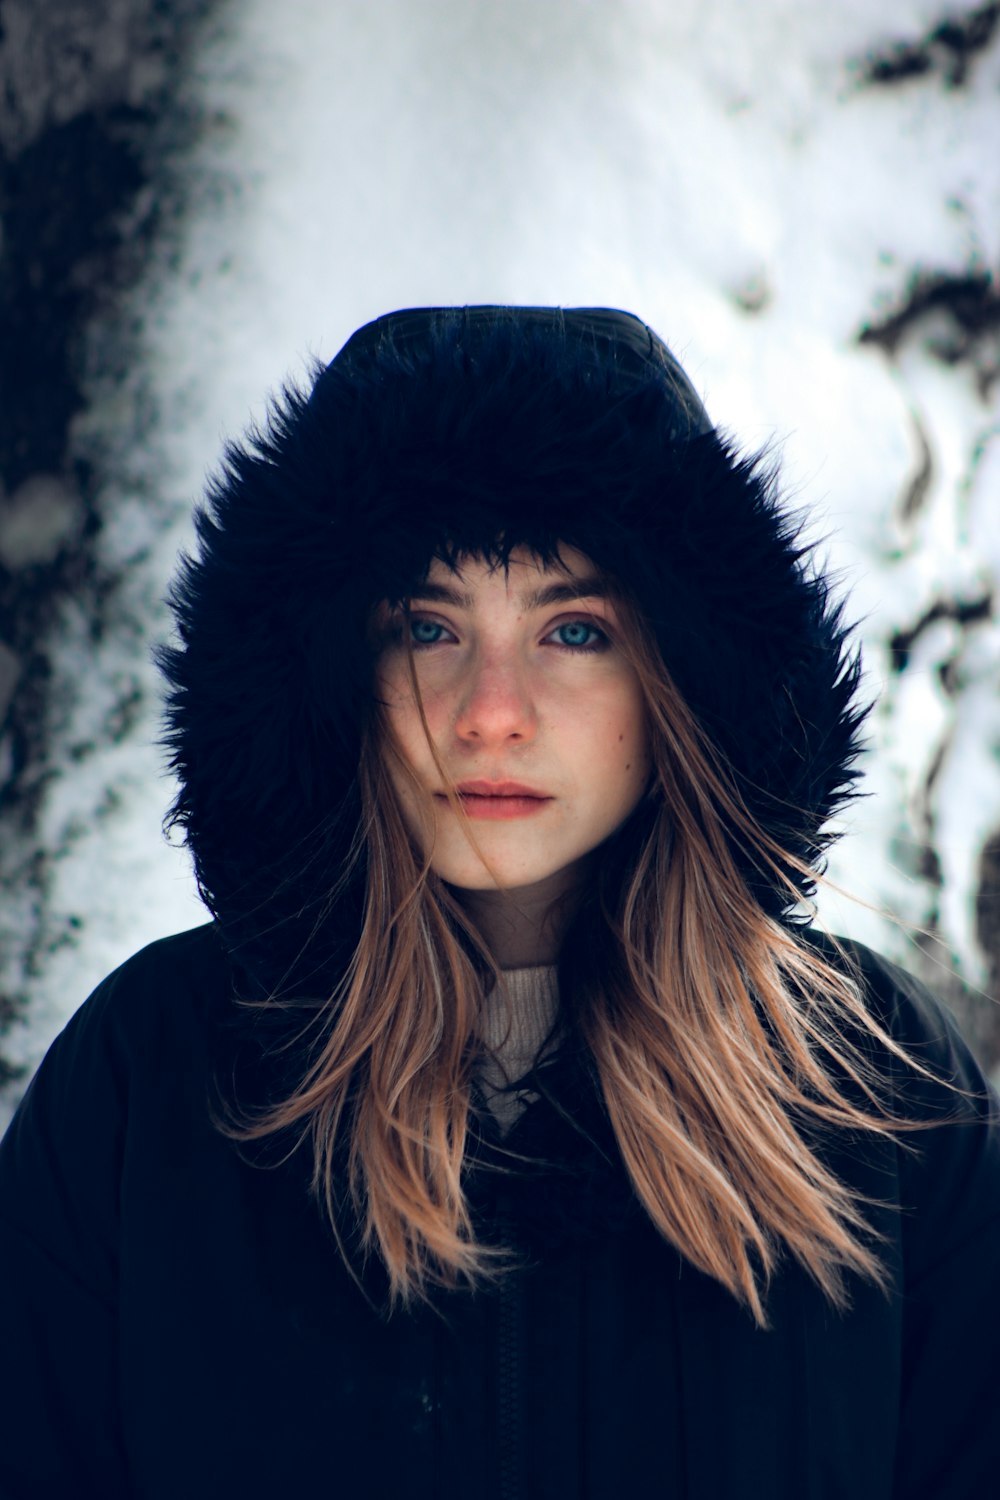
pixel 714 1030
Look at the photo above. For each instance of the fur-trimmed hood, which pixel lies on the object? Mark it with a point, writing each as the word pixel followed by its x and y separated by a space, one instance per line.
pixel 450 429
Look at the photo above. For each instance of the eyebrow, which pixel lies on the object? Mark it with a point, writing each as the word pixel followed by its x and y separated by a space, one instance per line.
pixel 587 587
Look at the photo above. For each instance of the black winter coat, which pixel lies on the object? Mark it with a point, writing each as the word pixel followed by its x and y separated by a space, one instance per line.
pixel 177 1322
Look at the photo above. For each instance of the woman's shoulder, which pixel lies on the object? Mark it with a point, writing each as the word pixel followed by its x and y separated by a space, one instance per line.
pixel 905 1007
pixel 949 1166
pixel 195 954
pixel 178 975
pixel 163 1002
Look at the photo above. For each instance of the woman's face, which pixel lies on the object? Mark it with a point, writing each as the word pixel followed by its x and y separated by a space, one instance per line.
pixel 536 716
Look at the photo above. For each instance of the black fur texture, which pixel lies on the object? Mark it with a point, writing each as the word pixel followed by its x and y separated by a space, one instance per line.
pixel 454 443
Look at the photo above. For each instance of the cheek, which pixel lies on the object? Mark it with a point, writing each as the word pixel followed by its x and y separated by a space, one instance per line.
pixel 408 757
pixel 401 717
pixel 613 760
pixel 401 740
pixel 402 712
pixel 633 734
pixel 634 761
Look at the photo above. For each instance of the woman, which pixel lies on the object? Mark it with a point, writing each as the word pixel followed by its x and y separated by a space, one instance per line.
pixel 506 1132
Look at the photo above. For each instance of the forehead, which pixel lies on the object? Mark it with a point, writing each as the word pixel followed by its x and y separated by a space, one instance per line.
pixel 522 580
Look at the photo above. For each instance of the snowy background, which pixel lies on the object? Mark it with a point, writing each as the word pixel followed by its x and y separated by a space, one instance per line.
pixel 803 200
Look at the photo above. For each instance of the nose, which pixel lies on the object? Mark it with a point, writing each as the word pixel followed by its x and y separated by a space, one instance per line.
pixel 496 706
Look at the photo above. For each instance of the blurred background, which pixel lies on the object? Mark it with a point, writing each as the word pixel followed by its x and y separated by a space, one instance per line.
pixel 199 196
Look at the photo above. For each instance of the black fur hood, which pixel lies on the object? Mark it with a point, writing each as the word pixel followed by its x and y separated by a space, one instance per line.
pixel 449 429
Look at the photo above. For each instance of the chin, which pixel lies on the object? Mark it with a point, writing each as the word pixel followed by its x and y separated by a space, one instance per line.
pixel 510 877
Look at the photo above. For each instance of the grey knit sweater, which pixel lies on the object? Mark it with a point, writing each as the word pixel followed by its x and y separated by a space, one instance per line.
pixel 515 1026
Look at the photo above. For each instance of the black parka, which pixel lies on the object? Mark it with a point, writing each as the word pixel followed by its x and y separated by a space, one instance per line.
pixel 177 1320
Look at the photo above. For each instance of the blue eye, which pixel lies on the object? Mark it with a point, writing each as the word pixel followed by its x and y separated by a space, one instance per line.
pixel 425 632
pixel 578 635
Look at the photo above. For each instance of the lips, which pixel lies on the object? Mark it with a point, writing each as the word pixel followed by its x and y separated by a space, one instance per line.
pixel 499 789
pixel 497 800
